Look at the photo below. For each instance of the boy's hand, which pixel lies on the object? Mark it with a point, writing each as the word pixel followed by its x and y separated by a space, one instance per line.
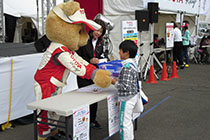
pixel 114 81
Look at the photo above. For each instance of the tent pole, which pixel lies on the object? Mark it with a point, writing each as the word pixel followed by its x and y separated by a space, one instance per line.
pixel 2 27
pixel 140 54
pixel 42 7
pixel 37 4
pixel 151 42
pixel 197 18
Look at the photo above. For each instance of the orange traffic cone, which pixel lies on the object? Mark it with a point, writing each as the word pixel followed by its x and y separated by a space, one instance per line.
pixel 164 76
pixel 151 76
pixel 174 71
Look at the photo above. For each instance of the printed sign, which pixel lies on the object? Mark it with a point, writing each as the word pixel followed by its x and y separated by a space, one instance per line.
pixel 129 30
pixel 169 35
pixel 81 123
pixel 113 114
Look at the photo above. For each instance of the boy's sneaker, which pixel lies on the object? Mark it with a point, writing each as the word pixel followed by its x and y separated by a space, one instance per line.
pixel 95 124
pixel 187 65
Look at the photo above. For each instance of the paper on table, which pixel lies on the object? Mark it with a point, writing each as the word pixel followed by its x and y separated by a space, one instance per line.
pixel 102 60
pixel 91 88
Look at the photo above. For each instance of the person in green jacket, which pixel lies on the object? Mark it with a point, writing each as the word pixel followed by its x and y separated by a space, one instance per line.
pixel 186 43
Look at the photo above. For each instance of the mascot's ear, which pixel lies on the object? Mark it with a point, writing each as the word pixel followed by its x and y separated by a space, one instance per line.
pixel 74 6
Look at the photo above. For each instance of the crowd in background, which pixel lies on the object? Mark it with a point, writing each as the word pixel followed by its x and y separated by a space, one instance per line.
pixel 182 43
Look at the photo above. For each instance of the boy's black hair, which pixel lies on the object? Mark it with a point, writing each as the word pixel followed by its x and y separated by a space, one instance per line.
pixel 129 46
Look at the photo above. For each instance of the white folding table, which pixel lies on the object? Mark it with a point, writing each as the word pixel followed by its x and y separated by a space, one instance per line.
pixel 65 103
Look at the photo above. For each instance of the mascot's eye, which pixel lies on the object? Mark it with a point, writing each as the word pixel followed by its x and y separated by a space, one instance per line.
pixel 80 31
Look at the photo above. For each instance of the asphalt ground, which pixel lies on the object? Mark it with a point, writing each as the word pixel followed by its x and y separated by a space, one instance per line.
pixel 178 109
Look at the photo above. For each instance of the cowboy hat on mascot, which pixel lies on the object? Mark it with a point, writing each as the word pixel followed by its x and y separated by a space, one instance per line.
pixel 65 27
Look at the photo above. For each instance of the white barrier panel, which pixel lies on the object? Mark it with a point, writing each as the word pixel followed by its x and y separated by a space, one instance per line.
pixel 24 68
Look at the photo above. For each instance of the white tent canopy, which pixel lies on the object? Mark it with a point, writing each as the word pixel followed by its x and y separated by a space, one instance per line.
pixel 204 7
pixel 119 10
pixel 117 7
pixel 122 7
pixel 25 8
pixel 18 8
pixel 116 11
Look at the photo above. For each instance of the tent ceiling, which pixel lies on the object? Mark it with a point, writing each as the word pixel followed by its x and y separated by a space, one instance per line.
pixel 26 8
pixel 122 7
pixel 19 8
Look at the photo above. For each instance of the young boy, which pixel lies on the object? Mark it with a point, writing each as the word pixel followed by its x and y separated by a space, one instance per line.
pixel 126 85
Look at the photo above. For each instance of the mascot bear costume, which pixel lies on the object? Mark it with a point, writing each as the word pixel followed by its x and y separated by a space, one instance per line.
pixel 65 27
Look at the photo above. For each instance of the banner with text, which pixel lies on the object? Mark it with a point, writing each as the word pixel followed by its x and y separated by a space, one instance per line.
pixel 188 6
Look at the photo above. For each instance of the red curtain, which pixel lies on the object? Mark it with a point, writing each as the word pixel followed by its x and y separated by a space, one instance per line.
pixel 92 8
